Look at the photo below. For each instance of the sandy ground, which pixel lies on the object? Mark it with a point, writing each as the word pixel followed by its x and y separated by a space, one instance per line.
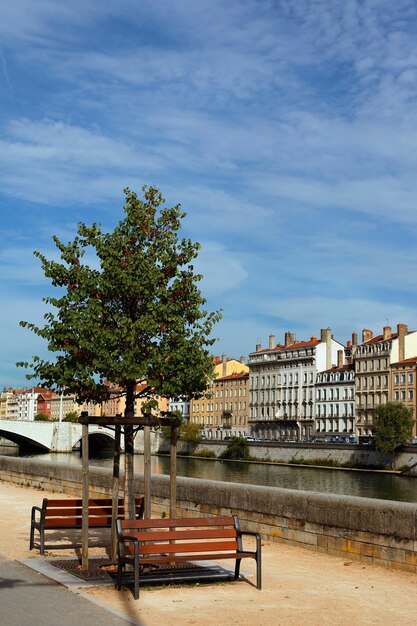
pixel 299 586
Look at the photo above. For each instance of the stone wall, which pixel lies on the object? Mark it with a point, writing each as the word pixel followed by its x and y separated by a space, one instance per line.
pixel 357 456
pixel 377 531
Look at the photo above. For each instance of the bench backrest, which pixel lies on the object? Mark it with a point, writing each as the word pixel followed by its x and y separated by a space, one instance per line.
pixel 56 512
pixel 177 535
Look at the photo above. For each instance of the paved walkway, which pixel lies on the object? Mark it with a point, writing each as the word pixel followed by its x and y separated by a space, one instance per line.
pixel 300 587
pixel 27 598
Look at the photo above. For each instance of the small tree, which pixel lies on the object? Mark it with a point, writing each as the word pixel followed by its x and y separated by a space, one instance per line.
pixel 42 417
pixel 392 426
pixel 190 434
pixel 71 416
pixel 237 449
pixel 134 316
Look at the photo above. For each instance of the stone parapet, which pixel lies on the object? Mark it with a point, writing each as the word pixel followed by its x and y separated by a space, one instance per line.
pixel 380 531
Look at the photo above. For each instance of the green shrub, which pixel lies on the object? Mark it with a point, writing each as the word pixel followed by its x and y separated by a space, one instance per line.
pixel 237 449
pixel 206 454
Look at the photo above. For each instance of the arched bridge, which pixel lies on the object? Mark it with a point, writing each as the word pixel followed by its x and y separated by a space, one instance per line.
pixel 58 436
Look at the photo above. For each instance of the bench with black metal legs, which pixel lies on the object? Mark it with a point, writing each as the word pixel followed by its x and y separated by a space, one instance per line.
pixel 170 540
pixel 61 514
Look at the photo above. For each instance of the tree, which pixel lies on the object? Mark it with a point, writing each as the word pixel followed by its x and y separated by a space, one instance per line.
pixel 42 417
pixel 134 315
pixel 71 416
pixel 392 426
pixel 190 434
pixel 237 449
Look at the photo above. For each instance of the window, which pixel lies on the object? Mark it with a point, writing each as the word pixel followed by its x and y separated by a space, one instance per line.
pixel 403 394
pixel 410 378
pixel 410 394
pixel 396 395
pixel 403 379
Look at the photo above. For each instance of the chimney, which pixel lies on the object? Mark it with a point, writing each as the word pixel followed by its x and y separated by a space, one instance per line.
pixel 354 339
pixel 313 338
pixel 258 347
pixel 242 360
pixel 387 332
pixel 340 358
pixel 367 335
pixel 349 345
pixel 402 330
pixel 271 342
pixel 289 339
pixel 224 363
pixel 326 336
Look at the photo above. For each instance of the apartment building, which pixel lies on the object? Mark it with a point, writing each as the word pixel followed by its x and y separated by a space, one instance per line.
pixel 403 385
pixel 373 358
pixel 282 385
pixel 181 406
pixel 7 400
pixel 116 404
pixel 335 403
pixel 212 412
pixel 231 404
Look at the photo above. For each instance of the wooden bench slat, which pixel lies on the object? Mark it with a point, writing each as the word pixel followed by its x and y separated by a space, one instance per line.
pixel 172 548
pixel 177 522
pixel 76 511
pixel 76 522
pixel 78 502
pixel 166 535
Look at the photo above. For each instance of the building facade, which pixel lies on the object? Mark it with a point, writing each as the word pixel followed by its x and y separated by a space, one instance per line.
pixel 335 404
pixel 404 385
pixel 212 411
pixel 373 359
pixel 282 385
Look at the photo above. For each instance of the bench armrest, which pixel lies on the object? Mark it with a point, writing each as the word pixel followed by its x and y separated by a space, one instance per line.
pixel 252 533
pixel 33 514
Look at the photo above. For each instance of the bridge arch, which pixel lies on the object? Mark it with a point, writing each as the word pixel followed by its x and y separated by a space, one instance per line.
pixel 26 444
pixel 99 443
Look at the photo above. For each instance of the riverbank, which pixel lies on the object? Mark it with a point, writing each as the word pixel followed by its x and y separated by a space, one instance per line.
pixel 299 586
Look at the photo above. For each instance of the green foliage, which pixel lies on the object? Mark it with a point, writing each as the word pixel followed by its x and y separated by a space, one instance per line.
pixel 205 454
pixel 134 314
pixel 190 433
pixel 42 417
pixel 392 426
pixel 237 449
pixel 71 416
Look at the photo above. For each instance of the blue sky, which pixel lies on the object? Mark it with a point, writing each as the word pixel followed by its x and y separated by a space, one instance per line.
pixel 286 129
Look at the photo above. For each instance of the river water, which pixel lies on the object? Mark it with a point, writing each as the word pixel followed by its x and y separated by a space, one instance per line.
pixel 355 483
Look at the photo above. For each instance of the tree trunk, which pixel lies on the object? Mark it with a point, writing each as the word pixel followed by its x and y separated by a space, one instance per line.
pixel 129 450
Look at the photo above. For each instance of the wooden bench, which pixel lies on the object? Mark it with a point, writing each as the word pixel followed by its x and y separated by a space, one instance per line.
pixel 67 514
pixel 182 539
